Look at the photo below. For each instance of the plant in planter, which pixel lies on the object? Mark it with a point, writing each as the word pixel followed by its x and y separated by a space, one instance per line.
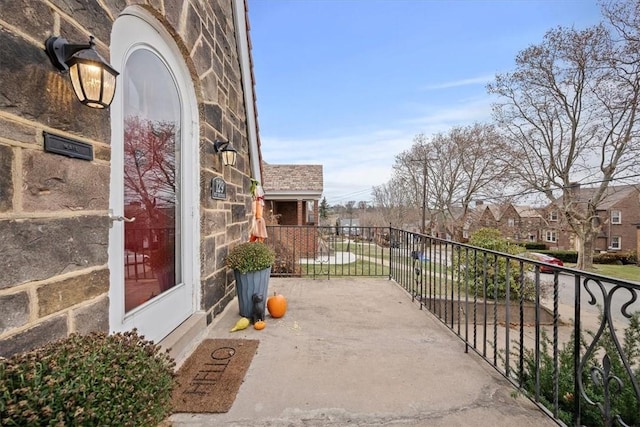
pixel 251 264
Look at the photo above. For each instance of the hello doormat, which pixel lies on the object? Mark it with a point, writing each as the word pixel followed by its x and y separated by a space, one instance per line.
pixel 210 378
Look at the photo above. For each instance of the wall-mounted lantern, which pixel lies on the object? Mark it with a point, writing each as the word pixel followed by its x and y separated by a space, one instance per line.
pixel 93 79
pixel 227 152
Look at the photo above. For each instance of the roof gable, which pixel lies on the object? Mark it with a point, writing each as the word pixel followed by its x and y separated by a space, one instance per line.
pixel 292 178
pixel 613 195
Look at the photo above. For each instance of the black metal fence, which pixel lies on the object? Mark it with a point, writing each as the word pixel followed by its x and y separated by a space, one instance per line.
pixel 520 315
pixel 303 251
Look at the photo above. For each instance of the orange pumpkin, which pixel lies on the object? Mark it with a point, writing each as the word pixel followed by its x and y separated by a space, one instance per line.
pixel 259 325
pixel 277 305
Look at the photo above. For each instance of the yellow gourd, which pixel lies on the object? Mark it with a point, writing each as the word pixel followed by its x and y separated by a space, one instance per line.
pixel 241 324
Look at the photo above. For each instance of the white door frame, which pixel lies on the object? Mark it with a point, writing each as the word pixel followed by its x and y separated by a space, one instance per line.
pixel 136 29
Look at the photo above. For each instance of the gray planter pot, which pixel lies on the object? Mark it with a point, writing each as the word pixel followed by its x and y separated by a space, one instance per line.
pixel 247 284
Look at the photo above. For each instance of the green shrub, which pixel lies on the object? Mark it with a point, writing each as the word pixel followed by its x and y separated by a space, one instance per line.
pixel 250 256
pixel 624 400
pixel 564 256
pixel 535 246
pixel 88 380
pixel 496 271
pixel 614 258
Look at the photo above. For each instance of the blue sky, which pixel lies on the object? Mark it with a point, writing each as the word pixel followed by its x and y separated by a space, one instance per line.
pixel 349 83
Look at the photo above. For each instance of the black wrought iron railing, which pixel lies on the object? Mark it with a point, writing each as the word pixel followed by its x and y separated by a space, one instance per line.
pixel 520 315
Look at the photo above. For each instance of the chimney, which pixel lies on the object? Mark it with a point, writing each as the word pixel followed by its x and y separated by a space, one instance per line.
pixel 572 190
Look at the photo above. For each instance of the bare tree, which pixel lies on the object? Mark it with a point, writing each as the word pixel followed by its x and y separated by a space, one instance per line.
pixel 393 202
pixel 445 174
pixel 150 163
pixel 569 114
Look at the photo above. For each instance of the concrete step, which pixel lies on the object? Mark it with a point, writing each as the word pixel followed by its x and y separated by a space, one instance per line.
pixel 185 338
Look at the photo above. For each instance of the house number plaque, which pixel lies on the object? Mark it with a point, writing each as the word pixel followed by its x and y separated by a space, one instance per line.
pixel 218 188
pixel 67 147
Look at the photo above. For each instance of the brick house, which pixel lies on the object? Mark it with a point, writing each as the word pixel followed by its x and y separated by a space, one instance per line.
pixel 519 223
pixel 95 243
pixel 532 222
pixel 292 192
pixel 481 216
pixel 618 215
pixel 292 197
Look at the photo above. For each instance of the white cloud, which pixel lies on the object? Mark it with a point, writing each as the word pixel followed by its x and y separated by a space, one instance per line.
pixel 464 112
pixel 480 80
pixel 355 162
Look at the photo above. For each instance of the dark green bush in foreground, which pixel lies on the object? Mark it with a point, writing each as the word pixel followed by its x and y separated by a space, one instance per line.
pixel 624 402
pixel 88 380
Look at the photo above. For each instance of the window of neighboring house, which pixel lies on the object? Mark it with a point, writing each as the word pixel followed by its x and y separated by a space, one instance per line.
pixel 310 213
pixel 465 234
pixel 551 236
pixel 615 242
pixel 511 222
pixel 616 217
pixel 532 237
pixel 553 216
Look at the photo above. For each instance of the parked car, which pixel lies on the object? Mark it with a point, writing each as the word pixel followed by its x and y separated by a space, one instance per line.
pixel 133 258
pixel 537 256
pixel 419 255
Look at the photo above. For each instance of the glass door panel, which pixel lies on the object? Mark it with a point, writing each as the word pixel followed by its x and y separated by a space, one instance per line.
pixel 152 261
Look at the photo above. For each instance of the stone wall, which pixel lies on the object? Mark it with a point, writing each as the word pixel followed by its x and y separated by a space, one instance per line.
pixel 54 227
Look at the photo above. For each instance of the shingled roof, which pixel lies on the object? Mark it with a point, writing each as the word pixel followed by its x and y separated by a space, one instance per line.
pixel 292 180
pixel 613 195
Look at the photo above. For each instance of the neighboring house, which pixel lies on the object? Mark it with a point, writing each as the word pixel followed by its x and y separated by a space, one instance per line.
pixel 509 222
pixel 292 197
pixel 515 222
pixel 482 216
pixel 292 192
pixel 74 259
pixel 449 224
pixel 618 215
pixel 531 223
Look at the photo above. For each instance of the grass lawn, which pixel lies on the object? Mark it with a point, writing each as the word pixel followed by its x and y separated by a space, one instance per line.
pixel 358 268
pixel 624 272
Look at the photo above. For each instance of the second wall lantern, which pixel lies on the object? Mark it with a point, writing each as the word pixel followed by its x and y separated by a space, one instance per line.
pixel 227 152
pixel 93 79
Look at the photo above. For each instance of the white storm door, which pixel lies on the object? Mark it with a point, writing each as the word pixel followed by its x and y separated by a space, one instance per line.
pixel 153 243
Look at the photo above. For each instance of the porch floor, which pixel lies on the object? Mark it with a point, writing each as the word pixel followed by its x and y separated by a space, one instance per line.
pixel 359 352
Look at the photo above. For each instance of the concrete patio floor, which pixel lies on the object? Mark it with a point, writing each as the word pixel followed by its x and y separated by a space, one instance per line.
pixel 358 352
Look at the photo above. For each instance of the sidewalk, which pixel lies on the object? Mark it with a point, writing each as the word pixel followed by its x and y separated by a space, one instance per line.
pixel 358 352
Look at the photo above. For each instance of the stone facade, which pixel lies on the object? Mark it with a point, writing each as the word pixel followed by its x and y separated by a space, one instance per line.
pixel 54 226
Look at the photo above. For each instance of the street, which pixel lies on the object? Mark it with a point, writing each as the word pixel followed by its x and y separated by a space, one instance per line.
pixel 619 296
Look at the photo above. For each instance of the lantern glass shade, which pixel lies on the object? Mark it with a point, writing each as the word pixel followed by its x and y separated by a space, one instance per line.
pixel 229 157
pixel 94 82
pixel 93 79
pixel 227 152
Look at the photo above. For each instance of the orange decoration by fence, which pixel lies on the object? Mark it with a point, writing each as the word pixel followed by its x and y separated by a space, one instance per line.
pixel 258 230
